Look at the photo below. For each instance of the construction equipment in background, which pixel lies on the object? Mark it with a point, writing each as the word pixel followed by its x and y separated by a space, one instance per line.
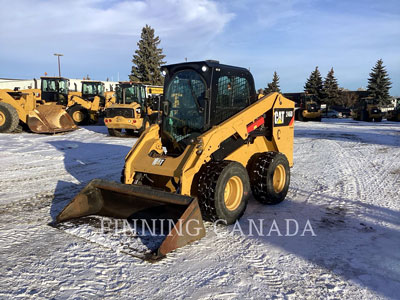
pixel 17 107
pixel 87 106
pixel 367 110
pixel 394 114
pixel 308 108
pixel 135 109
pixel 216 143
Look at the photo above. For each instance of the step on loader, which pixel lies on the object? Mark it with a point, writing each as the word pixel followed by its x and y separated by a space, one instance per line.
pixel 18 107
pixel 218 141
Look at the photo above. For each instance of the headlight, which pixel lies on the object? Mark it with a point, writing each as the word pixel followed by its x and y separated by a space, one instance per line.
pixel 138 111
pixel 204 68
pixel 164 72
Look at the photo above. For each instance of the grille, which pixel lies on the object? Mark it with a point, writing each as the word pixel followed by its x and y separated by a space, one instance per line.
pixel 123 112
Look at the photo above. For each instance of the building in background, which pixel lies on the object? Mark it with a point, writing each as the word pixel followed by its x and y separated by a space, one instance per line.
pixel 22 84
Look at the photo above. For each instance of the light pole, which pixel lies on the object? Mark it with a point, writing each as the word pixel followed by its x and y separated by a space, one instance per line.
pixel 58 57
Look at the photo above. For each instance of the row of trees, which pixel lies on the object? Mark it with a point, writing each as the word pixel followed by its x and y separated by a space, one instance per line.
pixel 148 59
pixel 328 90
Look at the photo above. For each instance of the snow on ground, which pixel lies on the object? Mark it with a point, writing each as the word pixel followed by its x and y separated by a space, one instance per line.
pixel 346 182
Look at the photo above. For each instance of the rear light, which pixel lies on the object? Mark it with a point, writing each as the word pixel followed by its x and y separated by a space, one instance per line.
pixel 134 121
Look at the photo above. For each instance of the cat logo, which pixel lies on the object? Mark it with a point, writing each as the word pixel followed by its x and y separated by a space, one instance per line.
pixel 279 117
pixel 283 117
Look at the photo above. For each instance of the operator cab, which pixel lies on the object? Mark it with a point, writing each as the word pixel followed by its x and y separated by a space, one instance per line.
pixel 91 89
pixel 54 89
pixel 199 95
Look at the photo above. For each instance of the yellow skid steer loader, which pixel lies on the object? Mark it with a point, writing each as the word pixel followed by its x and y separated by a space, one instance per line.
pixel 21 107
pixel 217 142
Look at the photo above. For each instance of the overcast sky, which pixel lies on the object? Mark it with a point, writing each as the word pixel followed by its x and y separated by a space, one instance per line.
pixel 98 37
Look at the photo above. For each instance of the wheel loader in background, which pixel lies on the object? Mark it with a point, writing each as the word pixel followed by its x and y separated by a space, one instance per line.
pixel 17 107
pixel 84 107
pixel 88 105
pixel 217 142
pixel 136 108
pixel 307 106
pixel 367 110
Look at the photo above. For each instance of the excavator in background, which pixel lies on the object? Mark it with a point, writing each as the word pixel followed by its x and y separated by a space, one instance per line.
pixel 22 108
pixel 367 110
pixel 135 109
pixel 217 141
pixel 394 114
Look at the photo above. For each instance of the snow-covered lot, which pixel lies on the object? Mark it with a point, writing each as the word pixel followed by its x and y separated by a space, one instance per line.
pixel 346 182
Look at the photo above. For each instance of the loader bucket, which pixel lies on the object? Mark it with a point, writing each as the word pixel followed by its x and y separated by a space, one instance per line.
pixel 136 202
pixel 50 118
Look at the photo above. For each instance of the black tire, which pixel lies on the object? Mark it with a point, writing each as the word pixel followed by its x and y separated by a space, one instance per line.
pixel 212 182
pixel 9 118
pixel 115 132
pixel 378 119
pixel 301 117
pixel 83 113
pixel 364 116
pixel 261 170
pixel 131 132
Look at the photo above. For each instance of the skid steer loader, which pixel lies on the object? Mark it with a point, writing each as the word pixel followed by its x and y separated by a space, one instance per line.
pixel 217 142
pixel 136 108
pixel 21 107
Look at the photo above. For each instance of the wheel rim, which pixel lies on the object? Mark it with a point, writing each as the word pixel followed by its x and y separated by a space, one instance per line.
pixel 279 178
pixel 78 116
pixel 2 118
pixel 233 193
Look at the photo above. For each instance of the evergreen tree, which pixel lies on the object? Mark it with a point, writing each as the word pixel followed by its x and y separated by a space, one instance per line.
pixel 314 84
pixel 379 83
pixel 148 59
pixel 330 89
pixel 274 85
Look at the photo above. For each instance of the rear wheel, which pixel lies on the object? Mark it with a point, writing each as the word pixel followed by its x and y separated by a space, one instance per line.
pixel 115 132
pixel 130 132
pixel 9 118
pixel 269 177
pixel 223 191
pixel 378 119
pixel 79 114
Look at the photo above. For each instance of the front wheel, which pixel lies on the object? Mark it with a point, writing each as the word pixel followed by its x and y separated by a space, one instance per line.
pixel 269 177
pixel 79 114
pixel 115 132
pixel 223 191
pixel 9 118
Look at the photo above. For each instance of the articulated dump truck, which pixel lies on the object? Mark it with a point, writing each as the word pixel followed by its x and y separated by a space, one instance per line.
pixel 22 108
pixel 217 142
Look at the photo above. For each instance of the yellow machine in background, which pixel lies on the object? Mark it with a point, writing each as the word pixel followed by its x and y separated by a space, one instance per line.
pixel 367 110
pixel 22 107
pixel 394 115
pixel 88 105
pixel 133 110
pixel 217 142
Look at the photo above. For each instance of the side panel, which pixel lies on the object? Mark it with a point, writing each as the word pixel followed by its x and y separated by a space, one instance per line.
pixel 283 127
